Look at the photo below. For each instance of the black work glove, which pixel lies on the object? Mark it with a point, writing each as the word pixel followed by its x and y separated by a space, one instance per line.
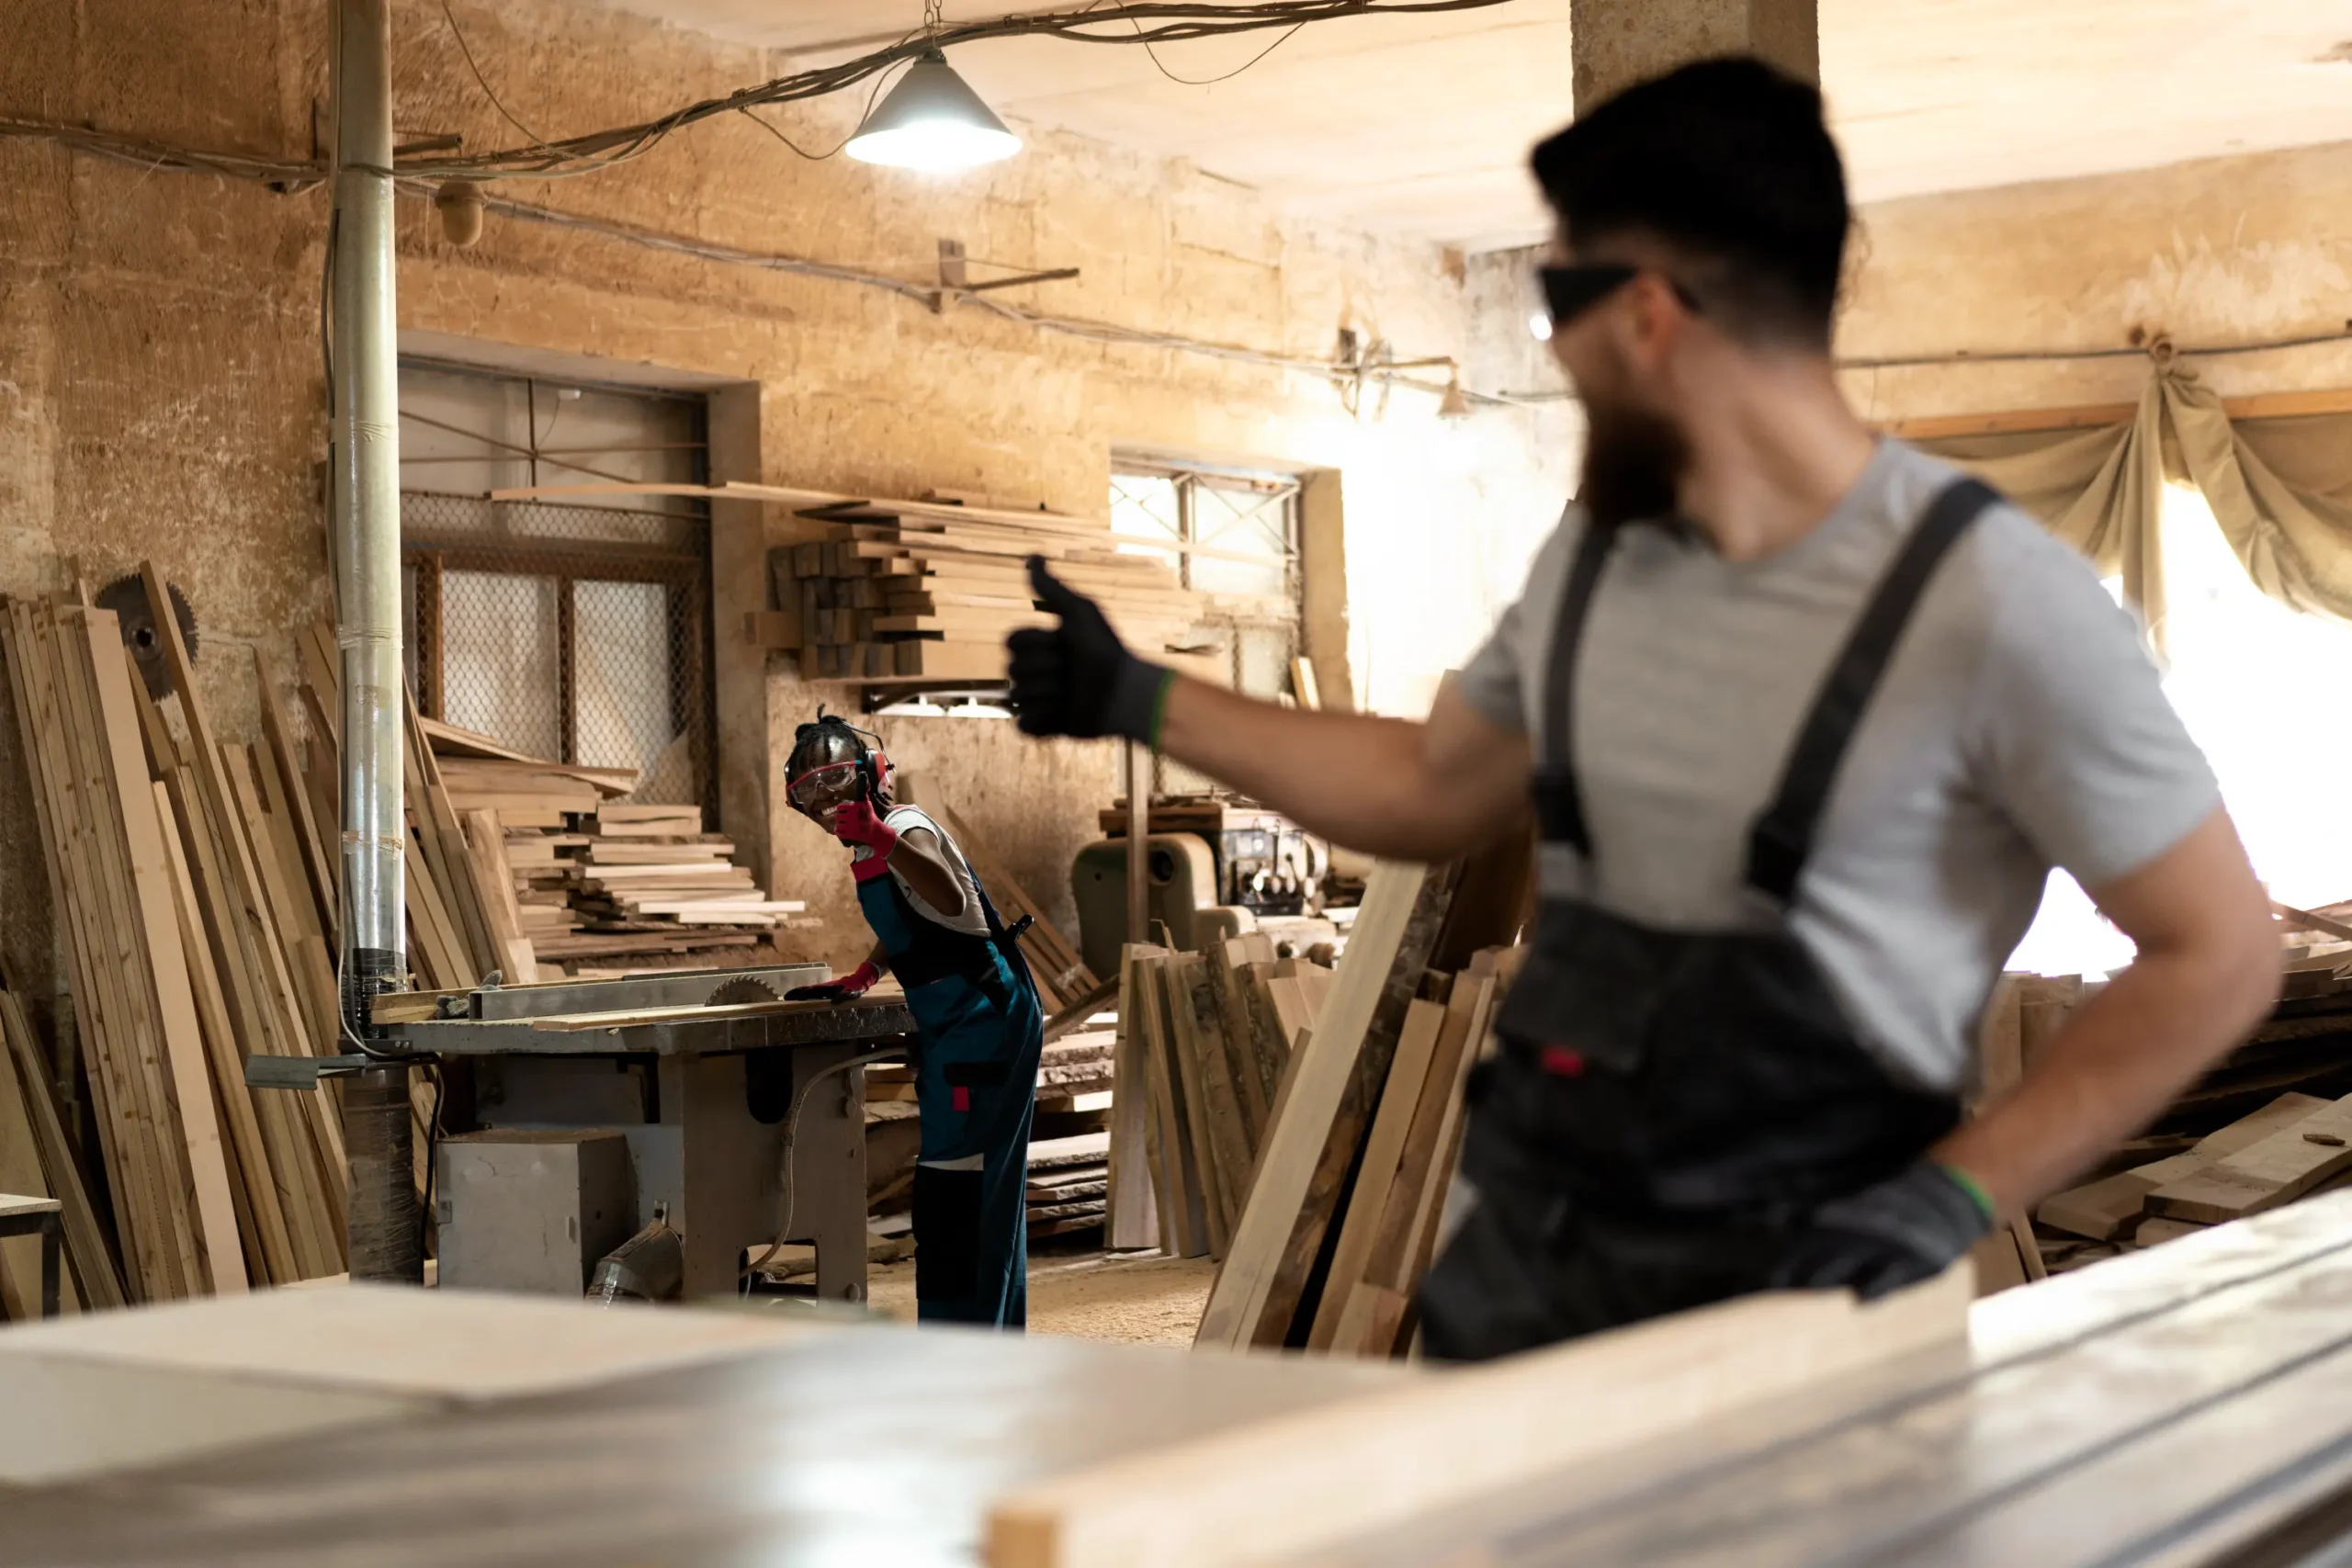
pixel 1908 1228
pixel 1078 678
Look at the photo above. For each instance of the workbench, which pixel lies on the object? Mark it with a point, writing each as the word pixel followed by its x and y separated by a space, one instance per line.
pixel 2186 1405
pixel 702 1094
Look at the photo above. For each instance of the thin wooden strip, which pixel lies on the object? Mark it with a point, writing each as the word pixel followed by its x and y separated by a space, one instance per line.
pixel 95 1272
pixel 261 1195
pixel 487 842
pixel 289 794
pixel 126 1033
pixel 1184 1216
pixel 167 960
pixel 1311 1144
pixel 1165 1001
pixel 1133 1218
pixel 1377 1173
pixel 27 665
pixel 23 1173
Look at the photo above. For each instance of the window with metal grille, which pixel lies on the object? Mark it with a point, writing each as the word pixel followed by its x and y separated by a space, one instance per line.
pixel 1232 537
pixel 575 632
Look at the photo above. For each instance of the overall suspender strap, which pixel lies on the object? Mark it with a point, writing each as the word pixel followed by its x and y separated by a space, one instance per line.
pixel 1559 808
pixel 1782 837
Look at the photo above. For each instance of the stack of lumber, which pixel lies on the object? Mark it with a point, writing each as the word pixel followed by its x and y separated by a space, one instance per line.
pixel 1338 1216
pixel 640 886
pixel 927 590
pixel 1208 1036
pixel 1068 1178
pixel 191 886
pixel 1063 979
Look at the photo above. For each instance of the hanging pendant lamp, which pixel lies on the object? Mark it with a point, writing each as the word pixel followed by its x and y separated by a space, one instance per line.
pixel 932 120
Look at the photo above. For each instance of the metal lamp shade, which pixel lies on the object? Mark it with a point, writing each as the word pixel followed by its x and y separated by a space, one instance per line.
pixel 931 120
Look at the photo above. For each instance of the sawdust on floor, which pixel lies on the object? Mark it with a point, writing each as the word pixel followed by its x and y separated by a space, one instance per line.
pixel 1140 1298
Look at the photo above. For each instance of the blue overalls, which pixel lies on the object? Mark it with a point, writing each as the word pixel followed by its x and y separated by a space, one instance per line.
pixel 976 1086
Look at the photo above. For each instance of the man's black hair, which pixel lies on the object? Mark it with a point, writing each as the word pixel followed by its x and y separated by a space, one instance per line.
pixel 1729 162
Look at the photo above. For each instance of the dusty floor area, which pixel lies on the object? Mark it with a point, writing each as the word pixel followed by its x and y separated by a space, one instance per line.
pixel 1140 1298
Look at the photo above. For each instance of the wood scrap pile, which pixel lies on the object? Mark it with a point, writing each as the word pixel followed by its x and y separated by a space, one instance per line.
pixel 2256 1132
pixel 928 590
pixel 1205 1038
pixel 191 887
pixel 1339 1214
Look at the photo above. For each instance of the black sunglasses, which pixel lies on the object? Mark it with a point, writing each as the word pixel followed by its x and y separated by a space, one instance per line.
pixel 1570 291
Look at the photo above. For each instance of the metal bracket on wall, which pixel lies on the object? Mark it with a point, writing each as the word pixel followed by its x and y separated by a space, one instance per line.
pixel 955 275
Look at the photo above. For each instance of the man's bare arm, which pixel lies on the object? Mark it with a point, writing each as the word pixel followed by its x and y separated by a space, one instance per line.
pixel 1421 792
pixel 2207 972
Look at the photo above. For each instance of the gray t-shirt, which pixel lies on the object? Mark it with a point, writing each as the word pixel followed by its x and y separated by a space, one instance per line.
pixel 2019 727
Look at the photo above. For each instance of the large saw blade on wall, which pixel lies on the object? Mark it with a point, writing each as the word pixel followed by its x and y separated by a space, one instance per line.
pixel 127 597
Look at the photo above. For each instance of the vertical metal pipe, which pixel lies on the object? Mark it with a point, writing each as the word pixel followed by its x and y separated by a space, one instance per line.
pixel 365 528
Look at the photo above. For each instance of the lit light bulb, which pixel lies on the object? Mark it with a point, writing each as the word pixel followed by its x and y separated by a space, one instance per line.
pixel 932 120
pixel 1539 327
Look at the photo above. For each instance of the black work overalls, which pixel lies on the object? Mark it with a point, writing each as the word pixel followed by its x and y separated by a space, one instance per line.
pixel 1666 1106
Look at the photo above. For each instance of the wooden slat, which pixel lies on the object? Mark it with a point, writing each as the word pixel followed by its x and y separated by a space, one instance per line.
pixel 97 1276
pixel 1312 1142
pixel 2280 1167
pixel 1194 1172
pixel 2105 1209
pixel 1376 1174
pixel 487 842
pixel 166 960
pixel 1135 1201
pixel 1201 1040
pixel 291 794
pixel 263 1207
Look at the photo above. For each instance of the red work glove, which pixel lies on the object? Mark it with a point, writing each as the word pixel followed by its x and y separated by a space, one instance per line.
pixel 856 983
pixel 855 822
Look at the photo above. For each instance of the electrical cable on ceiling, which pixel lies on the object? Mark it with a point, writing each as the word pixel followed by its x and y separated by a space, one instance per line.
pixel 1169 23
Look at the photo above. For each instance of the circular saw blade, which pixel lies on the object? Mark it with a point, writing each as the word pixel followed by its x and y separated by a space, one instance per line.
pixel 742 991
pixel 127 597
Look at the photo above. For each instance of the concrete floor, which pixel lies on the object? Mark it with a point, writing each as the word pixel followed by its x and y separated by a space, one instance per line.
pixel 1136 1298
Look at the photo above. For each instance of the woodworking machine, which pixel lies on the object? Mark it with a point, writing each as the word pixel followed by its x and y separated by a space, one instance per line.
pixel 597 1104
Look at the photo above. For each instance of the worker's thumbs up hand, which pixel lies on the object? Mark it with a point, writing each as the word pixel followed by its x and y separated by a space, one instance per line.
pixel 1078 678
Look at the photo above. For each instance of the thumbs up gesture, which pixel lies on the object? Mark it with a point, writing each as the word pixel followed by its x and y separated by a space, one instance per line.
pixel 1079 679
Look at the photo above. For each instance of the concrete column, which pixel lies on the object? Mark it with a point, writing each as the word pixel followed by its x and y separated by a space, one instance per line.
pixel 1619 42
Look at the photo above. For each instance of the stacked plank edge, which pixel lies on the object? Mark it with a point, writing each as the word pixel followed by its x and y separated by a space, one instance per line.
pixel 915 590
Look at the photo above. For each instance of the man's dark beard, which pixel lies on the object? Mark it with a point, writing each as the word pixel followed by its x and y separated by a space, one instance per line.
pixel 1631 461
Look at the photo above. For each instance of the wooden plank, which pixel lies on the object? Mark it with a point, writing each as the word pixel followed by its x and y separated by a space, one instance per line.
pixel 291 796
pixel 262 1206
pixel 1134 1202
pixel 1405 1235
pixel 1196 1173
pixel 1244 1066
pixel 1311 1144
pixel 97 1275
pixel 2091 416
pixel 487 842
pixel 1282 1489
pixel 1376 1175
pixel 1184 1216
pixel 2104 1209
pixel 22 1176
pixel 30 672
pixel 1192 1008
pixel 167 964
pixel 2263 1175
pixel 162 1193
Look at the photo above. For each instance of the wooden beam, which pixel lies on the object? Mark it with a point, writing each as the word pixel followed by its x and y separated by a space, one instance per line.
pixel 1278 1490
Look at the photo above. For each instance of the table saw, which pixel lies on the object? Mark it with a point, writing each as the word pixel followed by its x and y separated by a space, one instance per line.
pixel 2186 1405
pixel 698 1074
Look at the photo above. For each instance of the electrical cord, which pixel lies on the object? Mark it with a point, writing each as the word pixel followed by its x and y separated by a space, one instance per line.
pixel 791 1136
pixel 482 82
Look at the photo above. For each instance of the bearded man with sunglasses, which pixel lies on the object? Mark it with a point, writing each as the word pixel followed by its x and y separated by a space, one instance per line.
pixel 979 1027
pixel 1805 717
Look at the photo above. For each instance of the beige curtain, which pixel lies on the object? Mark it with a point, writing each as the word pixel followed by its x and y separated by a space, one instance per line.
pixel 2281 489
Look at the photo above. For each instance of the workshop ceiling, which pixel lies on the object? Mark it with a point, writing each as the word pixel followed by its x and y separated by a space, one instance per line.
pixel 1422 124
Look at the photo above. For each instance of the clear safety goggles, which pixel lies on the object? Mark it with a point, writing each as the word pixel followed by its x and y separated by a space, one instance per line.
pixel 819 789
